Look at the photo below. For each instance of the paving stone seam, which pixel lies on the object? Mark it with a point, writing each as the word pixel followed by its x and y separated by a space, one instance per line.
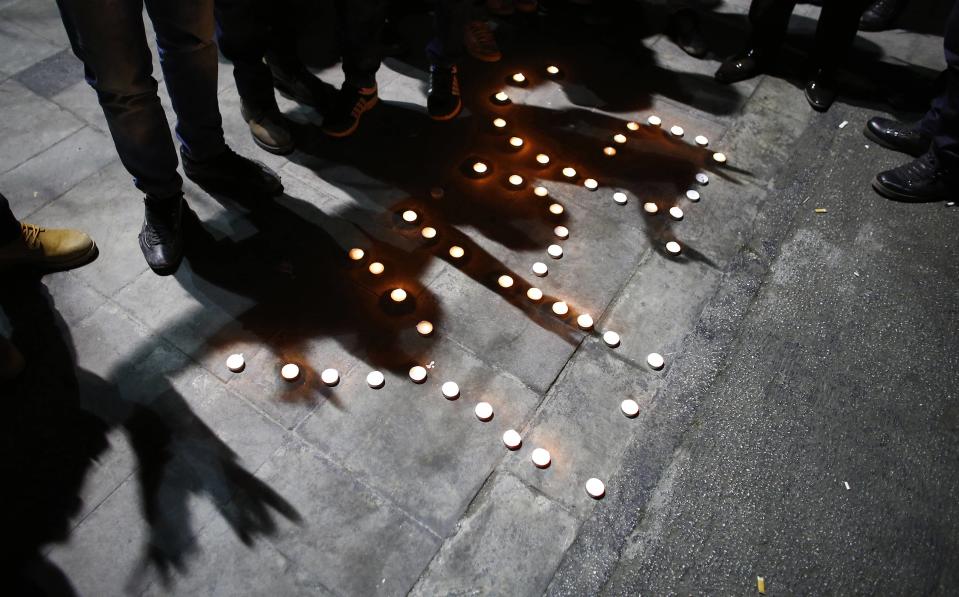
pixel 82 124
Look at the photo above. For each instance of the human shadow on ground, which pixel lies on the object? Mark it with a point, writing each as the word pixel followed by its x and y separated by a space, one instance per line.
pixel 55 431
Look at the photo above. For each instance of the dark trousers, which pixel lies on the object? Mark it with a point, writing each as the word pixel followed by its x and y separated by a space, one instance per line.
pixel 109 37
pixel 449 23
pixel 942 119
pixel 9 226
pixel 360 24
pixel 835 32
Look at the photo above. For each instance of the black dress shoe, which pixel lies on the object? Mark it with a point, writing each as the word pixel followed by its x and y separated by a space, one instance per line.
pixel 881 15
pixel 898 136
pixel 294 81
pixel 742 66
pixel 821 91
pixel 685 32
pixel 161 238
pixel 233 175
pixel 921 180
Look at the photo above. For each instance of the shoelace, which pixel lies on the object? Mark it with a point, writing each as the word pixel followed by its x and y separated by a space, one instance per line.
pixel 31 234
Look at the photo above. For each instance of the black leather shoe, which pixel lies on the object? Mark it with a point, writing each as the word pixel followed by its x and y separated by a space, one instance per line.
pixel 294 81
pixel 742 66
pixel 881 15
pixel 232 175
pixel 919 181
pixel 898 136
pixel 685 32
pixel 161 238
pixel 821 91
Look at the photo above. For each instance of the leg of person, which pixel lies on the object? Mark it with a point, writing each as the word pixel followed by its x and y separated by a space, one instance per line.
pixel 243 35
pixel 109 38
pixel 361 22
pixel 835 33
pixel 290 76
pixel 683 28
pixel 769 20
pixel 47 249
pixel 444 51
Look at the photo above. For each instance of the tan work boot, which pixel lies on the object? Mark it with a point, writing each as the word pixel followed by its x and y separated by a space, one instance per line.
pixel 11 361
pixel 49 249
pixel 269 130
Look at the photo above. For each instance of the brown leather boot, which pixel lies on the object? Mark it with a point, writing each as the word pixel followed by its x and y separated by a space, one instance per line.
pixel 49 249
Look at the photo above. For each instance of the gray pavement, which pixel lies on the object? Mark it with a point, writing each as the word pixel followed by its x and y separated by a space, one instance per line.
pixel 803 350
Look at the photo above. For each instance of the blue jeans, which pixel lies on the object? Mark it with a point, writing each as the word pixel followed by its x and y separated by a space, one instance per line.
pixel 109 37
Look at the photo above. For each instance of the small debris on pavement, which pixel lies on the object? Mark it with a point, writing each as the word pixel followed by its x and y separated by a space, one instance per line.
pixel 846 483
pixel 843 124
pixel 950 203
pixel 761 584
pixel 820 210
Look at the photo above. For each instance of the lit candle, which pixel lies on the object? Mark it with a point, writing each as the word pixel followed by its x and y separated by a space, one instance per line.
pixel 330 377
pixel 480 168
pixel 450 390
pixel 483 411
pixel 428 232
pixel 654 120
pixel 620 197
pixel 650 207
pixel 375 379
pixel 677 131
pixel 701 141
pixel 515 180
pixel 673 247
pixel 456 252
pixel 409 216
pixel 418 374
pixel 633 126
pixel 235 363
pixel 619 138
pixel 610 151
pixel 556 209
pixel 505 281
pixel 512 439
pixel 499 123
pixel 561 231
pixel 542 158
pixel 655 360
pixel 398 295
pixel 540 457
pixel 629 407
pixel 501 98
pixel 569 172
pixel 702 178
pixel 539 268
pixel 290 371
pixel 555 251
pixel 437 192
pixel 541 191
pixel 553 70
pixel 591 184
pixel 584 321
pixel 611 339
pixel 516 141
pixel 534 294
pixel 357 254
pixel 719 157
pixel 519 78
pixel 676 213
pixel 595 488
pixel 692 195
pixel 560 308
pixel 377 268
pixel 425 328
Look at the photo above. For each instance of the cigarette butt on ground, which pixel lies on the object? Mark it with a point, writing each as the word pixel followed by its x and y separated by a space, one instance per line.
pixel 821 210
pixel 761 584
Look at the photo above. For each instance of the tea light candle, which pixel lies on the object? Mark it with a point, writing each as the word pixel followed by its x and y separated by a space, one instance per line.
pixel 539 268
pixel 619 138
pixel 424 328
pixel 655 360
pixel 702 178
pixel 516 141
pixel 235 363
pixel 428 232
pixel 673 247
pixel 541 191
pixel 629 407
pixel 542 158
pixel 692 195
pixel 534 294
pixel 418 374
pixel 591 184
pixel 519 78
pixel 560 308
pixel 505 281
pixel 650 207
pixel 654 120
pixel 450 390
pixel 552 70
pixel 330 377
pixel 676 213
pixel 561 231
pixel 569 172
pixel 501 98
pixel 483 411
pixel 633 126
pixel 456 252
pixel 540 457
pixel 555 251
pixel 515 180
pixel 375 379
pixel 499 123
pixel 701 141
pixel 512 439
pixel 377 268
pixel 584 321
pixel 719 157
pixel 677 131
pixel 357 254
pixel 611 339
pixel 480 168
pixel 290 371
pixel 556 209
pixel 398 295
pixel 620 197
pixel 610 151
pixel 595 488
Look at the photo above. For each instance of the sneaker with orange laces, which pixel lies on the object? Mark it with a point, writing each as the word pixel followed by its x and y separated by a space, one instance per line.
pixel 480 42
pixel 47 249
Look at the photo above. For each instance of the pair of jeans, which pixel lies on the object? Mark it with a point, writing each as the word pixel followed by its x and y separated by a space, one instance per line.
pixel 9 226
pixel 450 17
pixel 108 36
pixel 942 119
pixel 838 23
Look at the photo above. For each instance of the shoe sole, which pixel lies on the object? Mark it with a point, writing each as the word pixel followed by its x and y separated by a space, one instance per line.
pixel 62 266
pixel 876 138
pixel 901 197
pixel 274 149
pixel 450 116
pixel 356 124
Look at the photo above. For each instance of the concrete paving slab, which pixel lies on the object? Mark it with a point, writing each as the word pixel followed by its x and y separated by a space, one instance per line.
pixel 33 124
pixel 21 47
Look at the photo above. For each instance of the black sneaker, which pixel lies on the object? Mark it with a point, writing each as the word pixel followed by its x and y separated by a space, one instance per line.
pixel 294 81
pixel 919 181
pixel 161 238
pixel 443 101
pixel 348 107
pixel 233 175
